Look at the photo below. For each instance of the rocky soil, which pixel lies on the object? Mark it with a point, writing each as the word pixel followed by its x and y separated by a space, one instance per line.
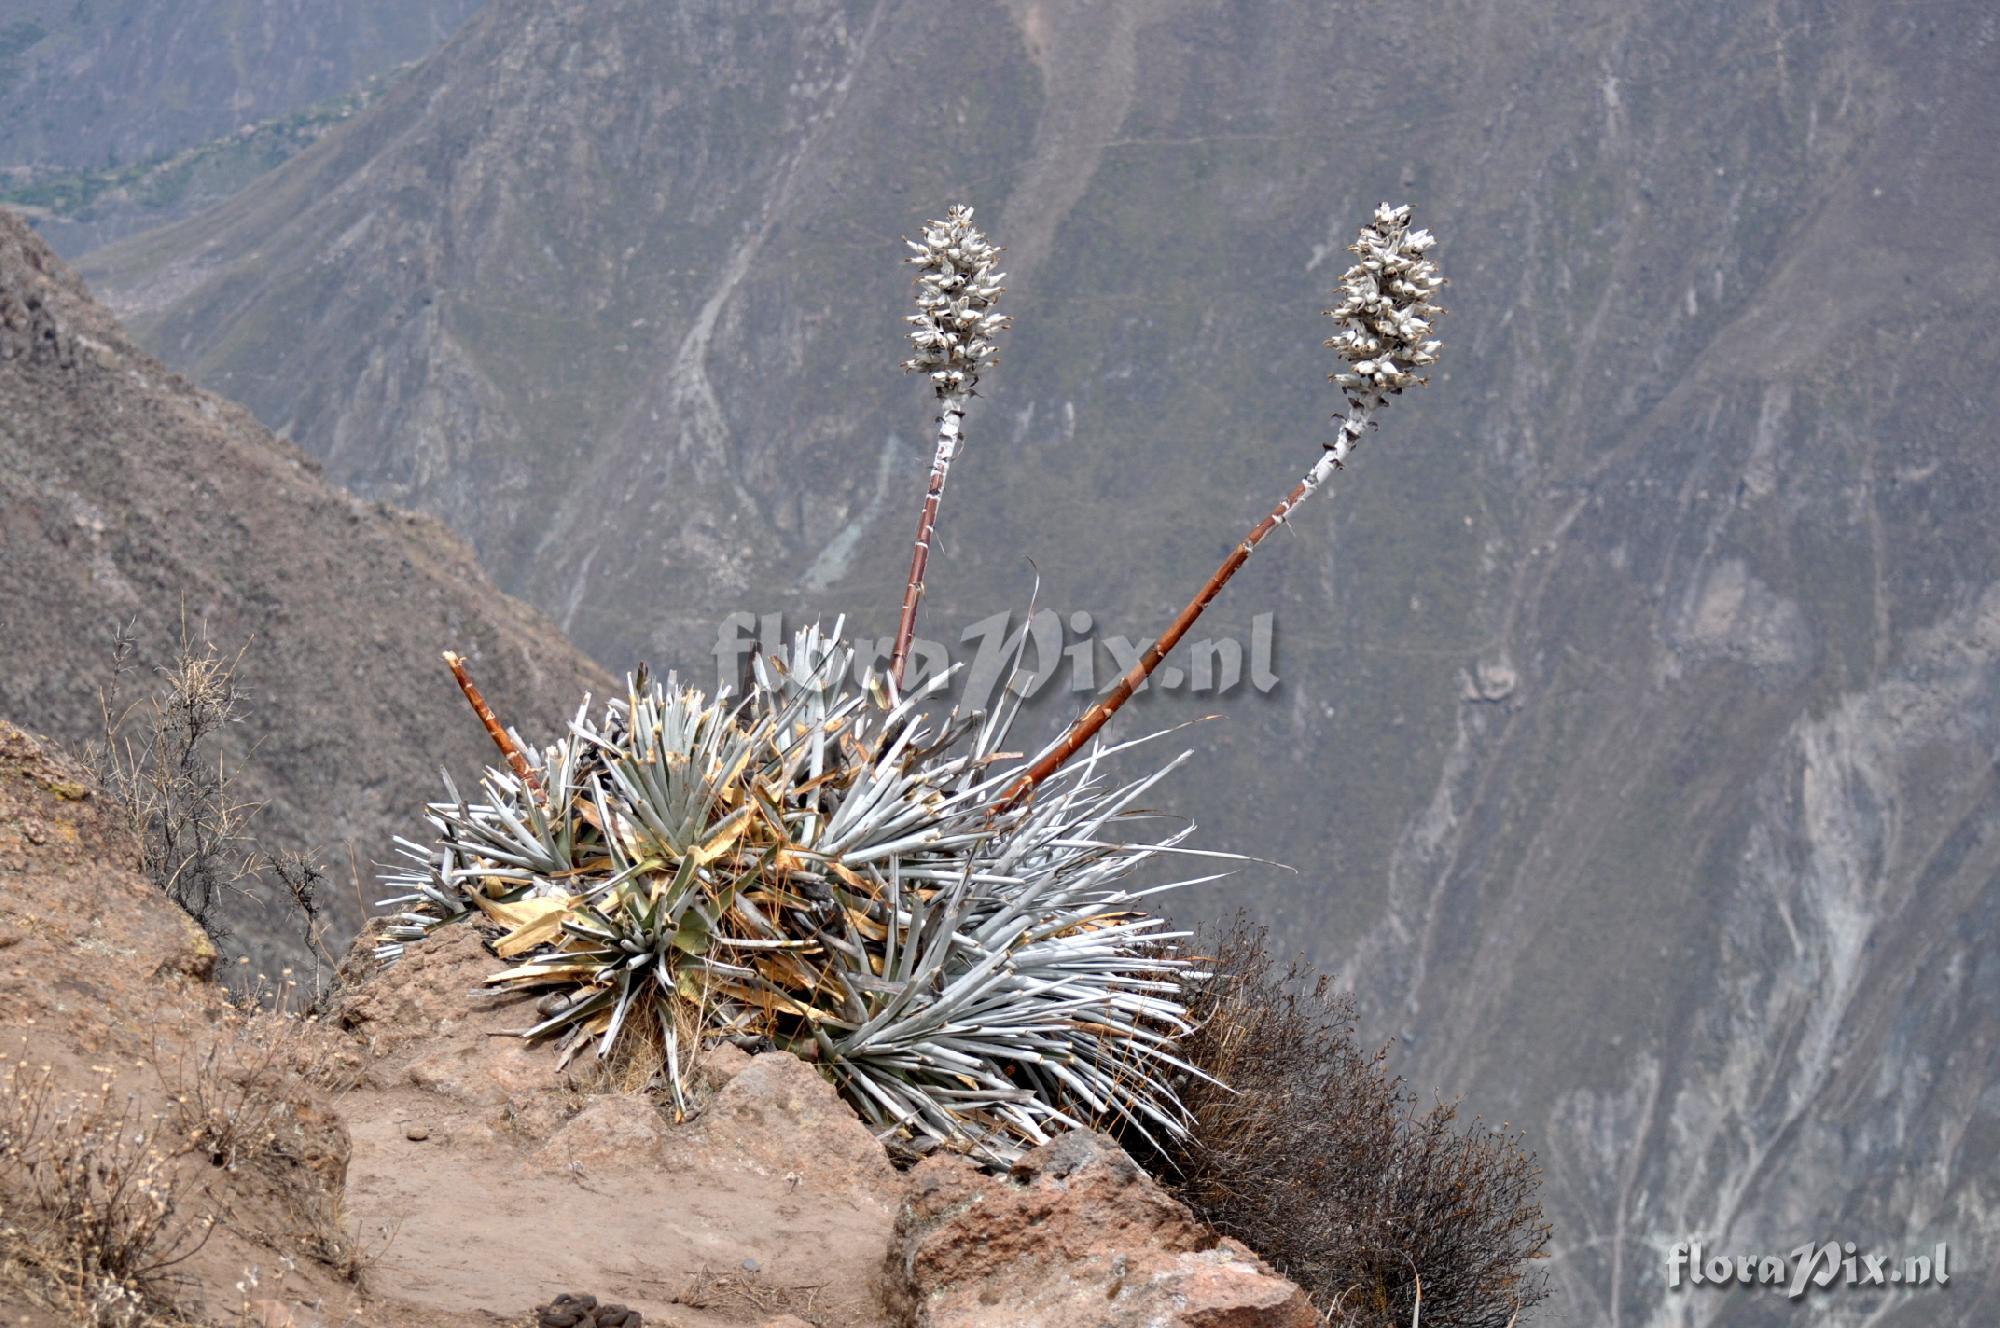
pixel 107 994
pixel 414 1166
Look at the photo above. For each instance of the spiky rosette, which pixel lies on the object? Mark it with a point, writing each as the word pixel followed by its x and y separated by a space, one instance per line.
pixel 822 868
pixel 1385 313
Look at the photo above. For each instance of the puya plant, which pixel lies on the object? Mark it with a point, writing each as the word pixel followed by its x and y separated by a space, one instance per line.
pixel 943 926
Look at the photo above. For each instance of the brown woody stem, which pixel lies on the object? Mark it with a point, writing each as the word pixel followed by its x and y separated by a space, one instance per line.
pixel 1135 677
pixel 506 744
pixel 906 626
pixel 913 590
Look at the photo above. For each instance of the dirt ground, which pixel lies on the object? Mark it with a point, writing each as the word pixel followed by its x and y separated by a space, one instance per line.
pixel 400 1162
pixel 495 1181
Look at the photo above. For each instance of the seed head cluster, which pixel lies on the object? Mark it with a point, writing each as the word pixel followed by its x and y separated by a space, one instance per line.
pixel 1385 314
pixel 955 322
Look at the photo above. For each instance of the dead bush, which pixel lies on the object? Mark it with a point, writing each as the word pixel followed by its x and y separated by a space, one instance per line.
pixel 242 1103
pixel 1317 1157
pixel 97 1221
pixel 160 760
pixel 225 1109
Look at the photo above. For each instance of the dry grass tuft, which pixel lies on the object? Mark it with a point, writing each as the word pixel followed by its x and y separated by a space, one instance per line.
pixel 104 1199
pixel 1321 1160
pixel 241 1104
pixel 98 1221
pixel 709 1289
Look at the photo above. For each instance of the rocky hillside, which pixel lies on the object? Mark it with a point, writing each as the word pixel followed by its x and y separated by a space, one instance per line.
pixel 130 498
pixel 120 113
pixel 1635 730
pixel 401 1164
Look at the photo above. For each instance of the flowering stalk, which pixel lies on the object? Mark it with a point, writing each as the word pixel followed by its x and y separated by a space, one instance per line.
pixel 955 325
pixel 1384 314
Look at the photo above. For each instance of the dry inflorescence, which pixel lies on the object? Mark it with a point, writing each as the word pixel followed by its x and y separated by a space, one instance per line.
pixel 955 322
pixel 1388 304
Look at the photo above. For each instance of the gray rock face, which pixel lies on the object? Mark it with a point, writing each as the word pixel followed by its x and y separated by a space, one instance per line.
pixel 1635 728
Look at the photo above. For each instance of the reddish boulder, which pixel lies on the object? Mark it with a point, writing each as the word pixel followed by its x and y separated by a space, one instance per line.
pixel 1076 1234
pixel 779 1117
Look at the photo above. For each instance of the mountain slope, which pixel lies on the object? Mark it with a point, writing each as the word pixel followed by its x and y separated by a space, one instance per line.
pixel 128 496
pixel 1634 734
pixel 82 85
pixel 92 93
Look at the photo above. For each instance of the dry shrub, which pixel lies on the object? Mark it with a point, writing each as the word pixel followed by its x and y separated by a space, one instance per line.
pixel 1320 1159
pixel 106 1199
pixel 160 760
pixel 98 1217
pixel 240 1103
pixel 235 1100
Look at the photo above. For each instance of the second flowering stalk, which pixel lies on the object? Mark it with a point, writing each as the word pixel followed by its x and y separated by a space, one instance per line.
pixel 1387 304
pixel 955 324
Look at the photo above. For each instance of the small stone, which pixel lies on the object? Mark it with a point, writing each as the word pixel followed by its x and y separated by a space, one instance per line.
pixel 416 1134
pixel 721 1063
pixel 751 1266
pixel 566 1311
